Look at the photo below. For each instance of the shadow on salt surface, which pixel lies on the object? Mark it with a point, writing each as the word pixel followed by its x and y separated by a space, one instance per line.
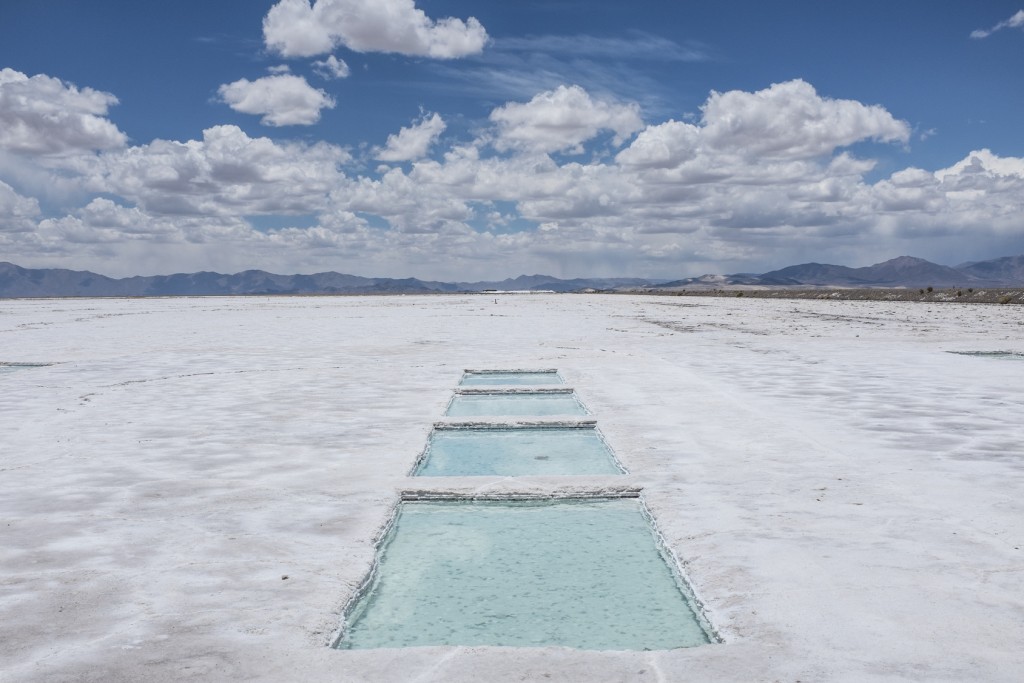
pixel 1005 355
pixel 520 450
pixel 587 573
pixel 512 403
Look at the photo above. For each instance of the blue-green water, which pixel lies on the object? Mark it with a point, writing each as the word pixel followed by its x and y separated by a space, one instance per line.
pixel 581 574
pixel 519 405
pixel 516 452
pixel 509 378
pixel 5 368
pixel 1004 355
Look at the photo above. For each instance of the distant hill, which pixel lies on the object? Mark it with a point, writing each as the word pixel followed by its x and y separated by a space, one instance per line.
pixel 904 271
pixel 1006 269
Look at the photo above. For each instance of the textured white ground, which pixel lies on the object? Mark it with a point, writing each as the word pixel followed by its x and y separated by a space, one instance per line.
pixel 847 497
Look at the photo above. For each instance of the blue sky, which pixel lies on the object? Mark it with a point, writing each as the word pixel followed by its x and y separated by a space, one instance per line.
pixel 467 140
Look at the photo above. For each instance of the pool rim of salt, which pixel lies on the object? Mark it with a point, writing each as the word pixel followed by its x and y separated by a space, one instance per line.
pixel 557 424
pixel 386 533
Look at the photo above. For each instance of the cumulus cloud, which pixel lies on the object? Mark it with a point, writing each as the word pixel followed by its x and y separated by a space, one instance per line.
pixel 413 142
pixel 761 176
pixel 331 68
pixel 1016 21
pixel 296 28
pixel 16 212
pixel 283 99
pixel 984 163
pixel 44 115
pixel 791 120
pixel 667 145
pixel 561 120
pixel 103 221
pixel 227 173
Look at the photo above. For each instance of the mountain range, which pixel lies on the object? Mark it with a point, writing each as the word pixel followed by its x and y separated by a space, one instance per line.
pixel 58 282
pixel 905 271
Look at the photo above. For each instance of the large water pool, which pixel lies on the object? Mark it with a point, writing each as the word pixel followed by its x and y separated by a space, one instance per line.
pixel 587 574
pixel 516 452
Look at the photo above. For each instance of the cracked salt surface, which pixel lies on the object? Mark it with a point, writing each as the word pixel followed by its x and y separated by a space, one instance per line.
pixel 846 494
pixel 573 573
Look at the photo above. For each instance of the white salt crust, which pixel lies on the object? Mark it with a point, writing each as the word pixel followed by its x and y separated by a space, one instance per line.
pixel 843 494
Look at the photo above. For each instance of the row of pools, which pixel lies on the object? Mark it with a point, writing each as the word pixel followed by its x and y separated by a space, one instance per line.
pixel 586 572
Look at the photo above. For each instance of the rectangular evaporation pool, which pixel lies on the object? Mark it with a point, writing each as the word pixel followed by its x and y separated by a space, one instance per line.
pixel 1004 355
pixel 588 574
pixel 13 367
pixel 514 452
pixel 521 404
pixel 509 377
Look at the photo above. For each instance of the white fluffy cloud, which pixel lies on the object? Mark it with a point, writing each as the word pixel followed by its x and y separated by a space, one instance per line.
pixel 17 213
pixel 1016 21
pixel 296 28
pixel 44 115
pixel 331 68
pixel 761 176
pixel 227 173
pixel 790 120
pixel 561 120
pixel 667 145
pixel 983 163
pixel 413 142
pixel 282 100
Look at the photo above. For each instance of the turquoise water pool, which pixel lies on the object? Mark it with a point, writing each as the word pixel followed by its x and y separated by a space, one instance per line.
pixel 14 367
pixel 516 452
pixel 521 405
pixel 585 574
pixel 509 378
pixel 1003 355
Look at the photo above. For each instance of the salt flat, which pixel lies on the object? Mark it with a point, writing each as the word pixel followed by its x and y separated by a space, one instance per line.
pixel 845 495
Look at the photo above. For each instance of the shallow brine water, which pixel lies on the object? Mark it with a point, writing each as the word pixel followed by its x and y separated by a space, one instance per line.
pixel 497 378
pixel 516 452
pixel 572 573
pixel 1005 355
pixel 521 405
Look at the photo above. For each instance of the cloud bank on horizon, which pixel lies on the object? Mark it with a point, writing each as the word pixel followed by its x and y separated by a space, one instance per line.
pixel 576 179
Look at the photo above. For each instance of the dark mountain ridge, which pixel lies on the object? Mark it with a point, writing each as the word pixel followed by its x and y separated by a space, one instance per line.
pixel 16 281
pixel 904 271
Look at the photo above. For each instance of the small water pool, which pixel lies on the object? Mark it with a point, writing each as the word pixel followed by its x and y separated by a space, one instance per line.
pixel 1004 355
pixel 509 377
pixel 513 452
pixel 532 404
pixel 587 574
pixel 14 367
